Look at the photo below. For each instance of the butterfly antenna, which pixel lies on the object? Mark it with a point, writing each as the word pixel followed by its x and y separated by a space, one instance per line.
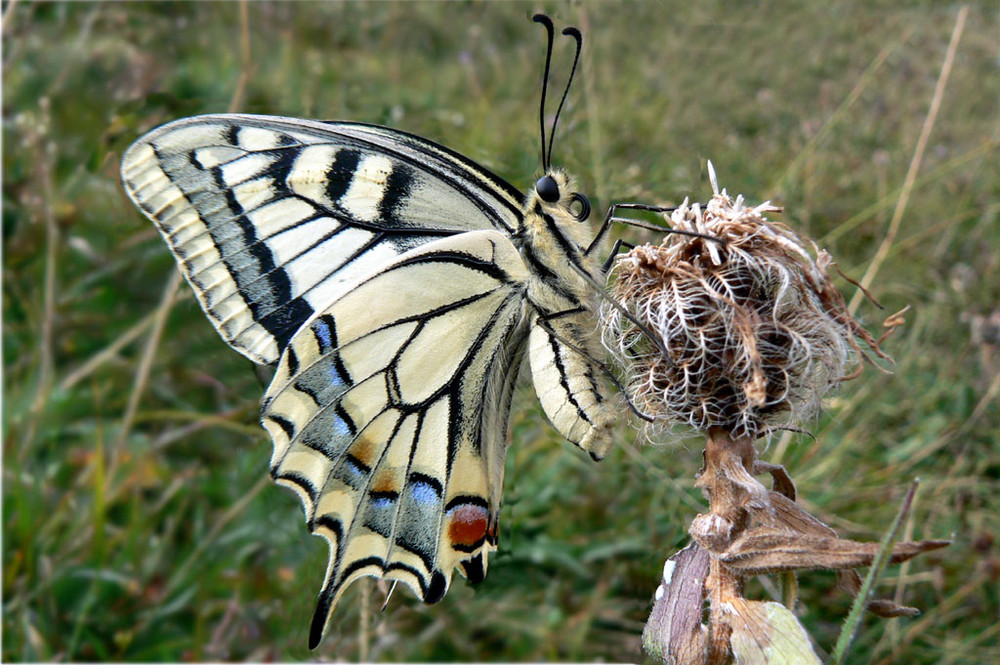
pixel 550 29
pixel 575 34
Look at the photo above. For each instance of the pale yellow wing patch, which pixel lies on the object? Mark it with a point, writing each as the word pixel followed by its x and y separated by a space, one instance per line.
pixel 388 413
pixel 569 385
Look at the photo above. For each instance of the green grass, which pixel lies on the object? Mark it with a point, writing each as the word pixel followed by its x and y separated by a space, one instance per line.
pixel 138 520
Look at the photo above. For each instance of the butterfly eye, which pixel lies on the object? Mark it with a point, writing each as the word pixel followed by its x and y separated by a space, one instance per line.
pixel 582 205
pixel 548 189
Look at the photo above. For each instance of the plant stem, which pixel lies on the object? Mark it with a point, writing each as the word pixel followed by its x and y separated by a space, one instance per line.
pixel 728 466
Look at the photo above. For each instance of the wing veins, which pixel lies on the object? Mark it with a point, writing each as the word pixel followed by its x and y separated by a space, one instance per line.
pixel 439 173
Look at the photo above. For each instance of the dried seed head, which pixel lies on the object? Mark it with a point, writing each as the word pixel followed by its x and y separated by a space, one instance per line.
pixel 755 330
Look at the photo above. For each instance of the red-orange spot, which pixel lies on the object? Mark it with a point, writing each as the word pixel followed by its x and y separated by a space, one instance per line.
pixel 468 525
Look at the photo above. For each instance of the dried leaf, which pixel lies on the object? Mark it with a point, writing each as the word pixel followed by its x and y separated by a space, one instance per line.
pixel 850 581
pixel 782 481
pixel 674 632
pixel 763 550
pixel 791 515
pixel 887 609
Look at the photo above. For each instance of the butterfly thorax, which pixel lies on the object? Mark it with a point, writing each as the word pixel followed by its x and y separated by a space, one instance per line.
pixel 553 239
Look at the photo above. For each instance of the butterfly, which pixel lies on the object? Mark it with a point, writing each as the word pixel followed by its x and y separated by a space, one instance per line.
pixel 397 286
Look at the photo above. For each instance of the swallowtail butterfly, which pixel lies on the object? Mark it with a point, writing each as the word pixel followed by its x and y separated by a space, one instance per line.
pixel 397 286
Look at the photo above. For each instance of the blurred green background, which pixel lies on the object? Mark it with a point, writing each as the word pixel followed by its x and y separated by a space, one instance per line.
pixel 139 522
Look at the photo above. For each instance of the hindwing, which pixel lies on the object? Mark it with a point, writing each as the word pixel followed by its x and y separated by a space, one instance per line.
pixel 568 383
pixel 389 417
pixel 272 218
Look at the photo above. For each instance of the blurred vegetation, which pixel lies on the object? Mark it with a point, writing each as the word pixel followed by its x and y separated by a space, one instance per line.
pixel 138 520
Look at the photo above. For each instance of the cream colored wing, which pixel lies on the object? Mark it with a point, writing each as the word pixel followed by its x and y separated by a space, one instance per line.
pixel 272 218
pixel 389 416
pixel 569 383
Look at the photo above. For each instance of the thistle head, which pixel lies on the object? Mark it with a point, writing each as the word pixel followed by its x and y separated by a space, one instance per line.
pixel 755 331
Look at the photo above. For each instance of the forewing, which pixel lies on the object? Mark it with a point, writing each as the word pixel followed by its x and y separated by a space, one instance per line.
pixel 389 411
pixel 271 218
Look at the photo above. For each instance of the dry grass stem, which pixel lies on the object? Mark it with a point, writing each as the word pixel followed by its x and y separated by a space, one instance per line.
pixel 141 379
pixel 918 156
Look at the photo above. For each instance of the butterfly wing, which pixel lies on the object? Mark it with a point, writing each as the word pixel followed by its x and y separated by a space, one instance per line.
pixel 389 415
pixel 272 218
pixel 568 382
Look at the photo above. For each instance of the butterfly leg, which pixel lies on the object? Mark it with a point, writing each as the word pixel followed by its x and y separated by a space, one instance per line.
pixel 614 253
pixel 612 218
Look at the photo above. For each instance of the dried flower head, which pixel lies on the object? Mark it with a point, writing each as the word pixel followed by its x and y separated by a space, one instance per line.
pixel 755 332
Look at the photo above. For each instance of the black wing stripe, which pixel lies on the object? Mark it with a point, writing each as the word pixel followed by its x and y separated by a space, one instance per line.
pixel 513 200
pixel 447 166
pixel 204 179
pixel 341 173
pixel 564 377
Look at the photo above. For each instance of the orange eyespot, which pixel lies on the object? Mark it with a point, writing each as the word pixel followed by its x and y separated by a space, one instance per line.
pixel 468 525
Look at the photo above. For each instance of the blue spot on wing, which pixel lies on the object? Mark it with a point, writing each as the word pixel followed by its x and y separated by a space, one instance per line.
pixel 341 430
pixel 325 381
pixel 335 378
pixel 382 502
pixel 381 511
pixel 423 493
pixel 422 507
pixel 355 467
pixel 323 329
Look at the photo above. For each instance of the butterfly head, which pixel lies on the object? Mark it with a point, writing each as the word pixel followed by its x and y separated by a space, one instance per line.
pixel 555 188
pixel 555 193
pixel 555 212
